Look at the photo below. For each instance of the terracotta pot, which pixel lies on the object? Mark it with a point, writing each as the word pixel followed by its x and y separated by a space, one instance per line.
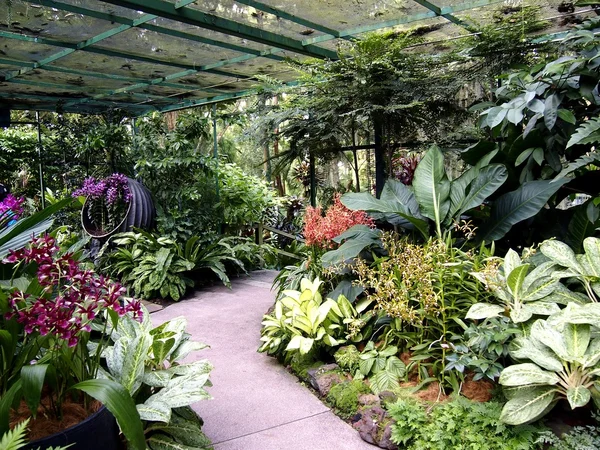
pixel 98 432
pixel 140 213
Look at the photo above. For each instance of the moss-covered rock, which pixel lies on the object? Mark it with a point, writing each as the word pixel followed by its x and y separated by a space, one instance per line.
pixel 344 397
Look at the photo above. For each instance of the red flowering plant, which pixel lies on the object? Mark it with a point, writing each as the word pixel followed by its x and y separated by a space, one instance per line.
pixel 319 229
pixel 57 324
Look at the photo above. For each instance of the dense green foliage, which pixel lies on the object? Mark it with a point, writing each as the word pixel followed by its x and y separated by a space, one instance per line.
pixel 458 424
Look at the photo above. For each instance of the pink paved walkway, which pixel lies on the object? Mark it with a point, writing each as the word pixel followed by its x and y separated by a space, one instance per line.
pixel 257 404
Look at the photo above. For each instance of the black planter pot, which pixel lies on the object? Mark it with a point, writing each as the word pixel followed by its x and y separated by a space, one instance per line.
pixel 98 432
pixel 140 213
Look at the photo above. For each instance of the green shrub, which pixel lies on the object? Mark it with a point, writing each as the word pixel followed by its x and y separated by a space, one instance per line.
pixel 344 397
pixel 458 424
pixel 348 358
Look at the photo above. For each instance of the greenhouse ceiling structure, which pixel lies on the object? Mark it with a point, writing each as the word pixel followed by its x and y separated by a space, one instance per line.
pixel 88 56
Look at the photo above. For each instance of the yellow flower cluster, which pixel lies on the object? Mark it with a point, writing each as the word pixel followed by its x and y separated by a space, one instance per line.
pixel 403 284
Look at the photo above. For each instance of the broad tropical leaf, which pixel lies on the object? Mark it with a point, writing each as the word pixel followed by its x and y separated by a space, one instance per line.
pixel 528 406
pixel 526 373
pixel 432 187
pixel 516 206
pixel 118 401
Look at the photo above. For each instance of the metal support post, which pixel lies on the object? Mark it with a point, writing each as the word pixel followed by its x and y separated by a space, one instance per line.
pixel 40 163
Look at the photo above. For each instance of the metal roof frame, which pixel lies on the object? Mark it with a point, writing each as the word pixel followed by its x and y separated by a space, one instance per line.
pixel 31 83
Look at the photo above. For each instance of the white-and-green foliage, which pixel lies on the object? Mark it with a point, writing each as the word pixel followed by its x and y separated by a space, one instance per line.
pixel 562 354
pixel 558 356
pixel 522 292
pixel 148 362
pixel 383 367
pixel 525 289
pixel 302 321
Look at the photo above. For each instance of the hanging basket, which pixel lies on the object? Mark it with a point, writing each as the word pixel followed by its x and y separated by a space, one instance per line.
pixel 140 213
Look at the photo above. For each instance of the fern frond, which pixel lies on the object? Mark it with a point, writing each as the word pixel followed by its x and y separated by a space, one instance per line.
pixel 14 439
pixel 587 133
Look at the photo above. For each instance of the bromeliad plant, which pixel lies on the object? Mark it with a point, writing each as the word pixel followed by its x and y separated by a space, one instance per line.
pixel 563 354
pixel 47 325
pixel 108 200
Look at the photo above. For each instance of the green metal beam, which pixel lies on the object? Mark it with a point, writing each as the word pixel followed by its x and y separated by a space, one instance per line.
pixel 192 16
pixel 50 98
pixel 290 17
pixel 115 53
pixel 83 89
pixel 407 19
pixel 156 28
pixel 438 11
pixel 83 44
pixel 107 76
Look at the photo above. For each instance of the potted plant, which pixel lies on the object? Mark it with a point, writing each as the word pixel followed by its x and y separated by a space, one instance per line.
pixel 50 313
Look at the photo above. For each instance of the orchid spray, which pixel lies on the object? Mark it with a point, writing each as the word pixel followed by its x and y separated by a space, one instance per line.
pixel 108 200
pixel 65 312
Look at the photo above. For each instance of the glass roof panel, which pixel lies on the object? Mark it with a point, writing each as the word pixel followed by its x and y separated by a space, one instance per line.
pixel 343 14
pixel 247 15
pixel 35 20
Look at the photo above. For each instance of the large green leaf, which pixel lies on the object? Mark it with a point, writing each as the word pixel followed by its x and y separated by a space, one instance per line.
pixel 18 235
pixel 396 200
pixel 118 401
pixel 529 405
pixel 33 376
pixel 526 373
pixel 432 187
pixel 577 337
pixel 384 380
pixel 358 238
pixel 132 369
pixel 516 206
pixel 592 255
pixel 561 253
pixel 515 279
pixel 528 348
pixel 483 311
pixel 487 182
pixel 580 227
pixel 548 335
pixel 6 402
pixel 578 396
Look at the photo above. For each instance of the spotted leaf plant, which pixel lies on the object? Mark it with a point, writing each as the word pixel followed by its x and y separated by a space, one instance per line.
pixel 583 267
pixel 560 360
pixel 523 290
pixel 148 362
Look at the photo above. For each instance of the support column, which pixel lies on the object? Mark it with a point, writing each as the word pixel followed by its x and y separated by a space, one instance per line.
pixel 40 162
pixel 379 156
pixel 313 181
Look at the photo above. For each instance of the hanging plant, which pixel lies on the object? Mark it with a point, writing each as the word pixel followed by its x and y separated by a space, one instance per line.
pixel 107 201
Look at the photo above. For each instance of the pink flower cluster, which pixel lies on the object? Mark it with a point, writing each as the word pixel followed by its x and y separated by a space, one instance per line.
pixel 112 189
pixel 320 230
pixel 71 296
pixel 11 207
